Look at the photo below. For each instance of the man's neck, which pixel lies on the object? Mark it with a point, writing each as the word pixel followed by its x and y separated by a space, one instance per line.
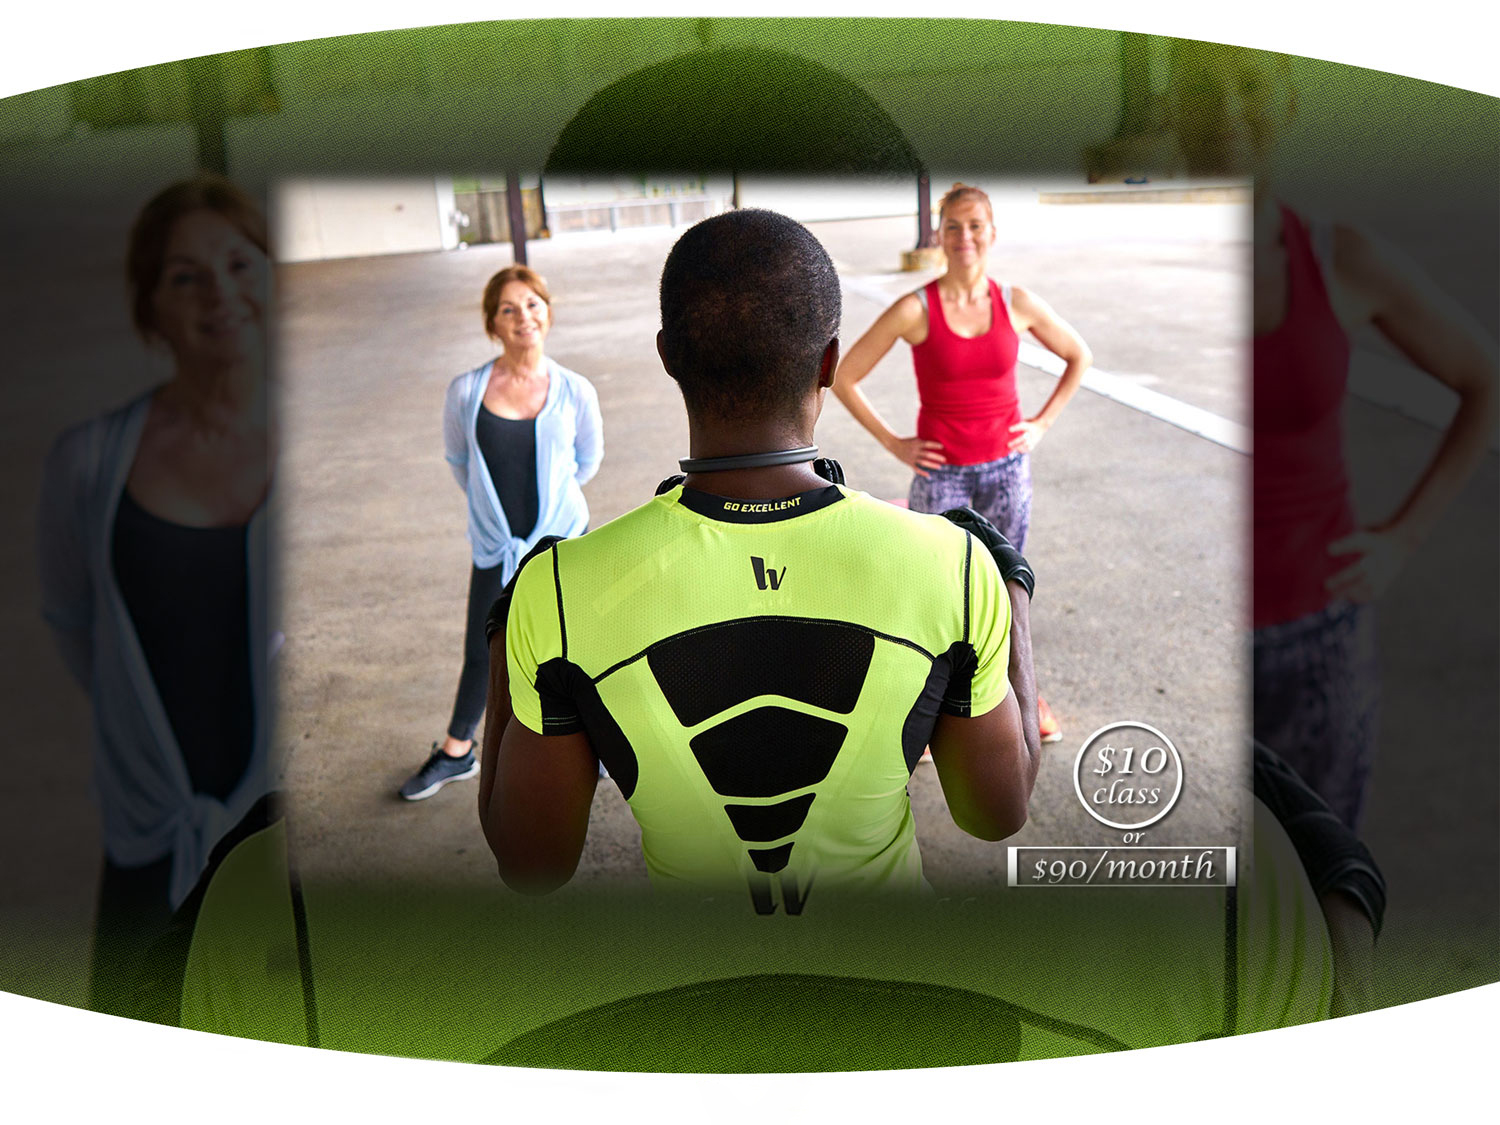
pixel 768 482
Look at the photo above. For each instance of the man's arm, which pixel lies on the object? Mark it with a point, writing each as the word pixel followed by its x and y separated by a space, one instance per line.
pixel 1352 938
pixel 987 764
pixel 1340 869
pixel 535 791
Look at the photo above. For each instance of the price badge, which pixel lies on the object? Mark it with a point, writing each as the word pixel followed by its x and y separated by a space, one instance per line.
pixel 1128 775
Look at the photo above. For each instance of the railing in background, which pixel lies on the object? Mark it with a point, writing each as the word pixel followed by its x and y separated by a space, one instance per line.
pixel 486 219
pixel 627 214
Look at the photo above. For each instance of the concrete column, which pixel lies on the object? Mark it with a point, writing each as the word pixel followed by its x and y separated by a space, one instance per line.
pixel 927 254
pixel 541 206
pixel 517 215
pixel 926 236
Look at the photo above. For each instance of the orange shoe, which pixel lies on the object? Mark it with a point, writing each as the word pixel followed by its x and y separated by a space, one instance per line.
pixel 1047 721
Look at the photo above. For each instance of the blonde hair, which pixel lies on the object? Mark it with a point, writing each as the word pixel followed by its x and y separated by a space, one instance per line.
pixel 959 192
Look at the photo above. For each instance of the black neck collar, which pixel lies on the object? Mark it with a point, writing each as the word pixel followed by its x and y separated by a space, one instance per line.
pixel 748 460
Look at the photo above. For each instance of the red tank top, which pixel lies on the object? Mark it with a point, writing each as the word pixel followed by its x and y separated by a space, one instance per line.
pixel 1299 488
pixel 967 387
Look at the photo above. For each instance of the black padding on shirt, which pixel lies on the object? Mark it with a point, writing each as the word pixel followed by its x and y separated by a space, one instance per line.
pixel 768 752
pixel 754 823
pixel 958 696
pixel 916 732
pixel 1333 857
pixel 705 671
pixel 571 703
pixel 771 860
pixel 669 484
pixel 558 684
pixel 1013 565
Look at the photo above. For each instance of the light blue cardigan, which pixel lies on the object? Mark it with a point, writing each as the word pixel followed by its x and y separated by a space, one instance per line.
pixel 569 447
pixel 139 778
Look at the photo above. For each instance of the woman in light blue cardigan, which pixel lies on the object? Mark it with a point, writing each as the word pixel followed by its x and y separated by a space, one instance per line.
pixel 522 434
pixel 156 578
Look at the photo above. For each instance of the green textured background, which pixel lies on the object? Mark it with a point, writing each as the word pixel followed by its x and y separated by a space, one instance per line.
pixel 965 93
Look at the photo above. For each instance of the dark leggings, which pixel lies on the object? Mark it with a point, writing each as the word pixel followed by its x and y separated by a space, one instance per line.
pixel 474 681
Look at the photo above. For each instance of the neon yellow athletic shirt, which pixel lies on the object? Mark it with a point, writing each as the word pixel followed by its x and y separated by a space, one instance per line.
pixel 347 963
pixel 760 678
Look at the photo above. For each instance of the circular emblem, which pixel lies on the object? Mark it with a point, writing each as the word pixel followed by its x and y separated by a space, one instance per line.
pixel 1128 775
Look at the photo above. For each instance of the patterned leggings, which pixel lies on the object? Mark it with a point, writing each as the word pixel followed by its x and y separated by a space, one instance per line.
pixel 1000 491
pixel 1316 694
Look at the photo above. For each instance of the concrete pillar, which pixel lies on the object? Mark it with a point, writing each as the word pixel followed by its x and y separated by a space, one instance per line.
pixel 541 206
pixel 926 236
pixel 517 215
pixel 927 254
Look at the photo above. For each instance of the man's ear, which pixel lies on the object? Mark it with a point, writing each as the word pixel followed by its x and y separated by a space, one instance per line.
pixel 829 365
pixel 661 351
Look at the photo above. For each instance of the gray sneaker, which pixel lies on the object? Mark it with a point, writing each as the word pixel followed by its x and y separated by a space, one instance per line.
pixel 437 771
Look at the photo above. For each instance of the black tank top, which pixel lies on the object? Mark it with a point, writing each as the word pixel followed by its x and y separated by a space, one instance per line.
pixel 509 449
pixel 188 593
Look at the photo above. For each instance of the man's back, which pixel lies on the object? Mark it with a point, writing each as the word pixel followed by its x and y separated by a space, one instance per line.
pixel 760 678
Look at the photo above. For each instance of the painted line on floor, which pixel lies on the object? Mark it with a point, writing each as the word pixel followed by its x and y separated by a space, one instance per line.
pixel 1127 392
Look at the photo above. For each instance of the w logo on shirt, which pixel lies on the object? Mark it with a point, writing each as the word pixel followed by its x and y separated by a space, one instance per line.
pixel 766 579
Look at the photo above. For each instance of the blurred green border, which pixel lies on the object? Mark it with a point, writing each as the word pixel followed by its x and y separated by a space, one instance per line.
pixel 970 94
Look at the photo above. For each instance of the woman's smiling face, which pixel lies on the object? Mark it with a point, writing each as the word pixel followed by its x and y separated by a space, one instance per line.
pixel 208 305
pixel 967 231
pixel 521 318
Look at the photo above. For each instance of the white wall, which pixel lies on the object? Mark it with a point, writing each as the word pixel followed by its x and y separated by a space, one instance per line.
pixel 330 218
pixel 806 200
pixel 817 200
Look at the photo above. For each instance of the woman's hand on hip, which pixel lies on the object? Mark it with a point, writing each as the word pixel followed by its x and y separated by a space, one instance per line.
pixel 1027 435
pixel 918 453
pixel 1378 556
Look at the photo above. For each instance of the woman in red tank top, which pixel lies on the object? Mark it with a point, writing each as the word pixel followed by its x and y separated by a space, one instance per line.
pixel 972 446
pixel 1316 571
